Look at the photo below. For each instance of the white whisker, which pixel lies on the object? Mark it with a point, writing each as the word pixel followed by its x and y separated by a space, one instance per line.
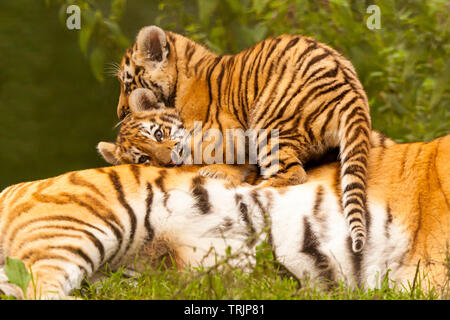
pixel 112 69
pixel 120 122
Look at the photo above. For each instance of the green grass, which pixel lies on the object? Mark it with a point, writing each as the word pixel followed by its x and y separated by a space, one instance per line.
pixel 233 284
pixel 266 281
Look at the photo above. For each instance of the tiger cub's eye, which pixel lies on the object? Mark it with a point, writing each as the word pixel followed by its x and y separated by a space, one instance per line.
pixel 159 135
pixel 143 159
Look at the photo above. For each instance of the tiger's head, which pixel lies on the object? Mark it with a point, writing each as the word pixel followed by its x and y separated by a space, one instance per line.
pixel 148 135
pixel 148 63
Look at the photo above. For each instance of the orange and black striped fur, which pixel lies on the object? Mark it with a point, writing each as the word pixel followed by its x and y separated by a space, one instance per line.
pixel 149 136
pixel 154 135
pixel 68 227
pixel 294 84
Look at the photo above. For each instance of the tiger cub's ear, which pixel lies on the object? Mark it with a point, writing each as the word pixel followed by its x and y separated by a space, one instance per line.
pixel 108 151
pixel 142 100
pixel 152 44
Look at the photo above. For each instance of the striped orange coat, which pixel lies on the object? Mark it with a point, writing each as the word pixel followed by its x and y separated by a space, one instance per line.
pixel 67 227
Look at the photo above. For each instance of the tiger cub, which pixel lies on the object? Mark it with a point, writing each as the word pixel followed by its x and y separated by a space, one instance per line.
pixel 302 89
pixel 148 137
pixel 154 135
pixel 68 227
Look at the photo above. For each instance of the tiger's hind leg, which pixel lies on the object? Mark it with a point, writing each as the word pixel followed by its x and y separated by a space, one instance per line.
pixel 281 164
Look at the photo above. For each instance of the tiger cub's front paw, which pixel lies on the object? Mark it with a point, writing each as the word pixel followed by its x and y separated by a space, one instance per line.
pixel 291 177
pixel 221 172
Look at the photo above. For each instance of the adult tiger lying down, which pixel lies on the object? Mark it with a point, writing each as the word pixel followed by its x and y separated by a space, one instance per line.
pixel 67 227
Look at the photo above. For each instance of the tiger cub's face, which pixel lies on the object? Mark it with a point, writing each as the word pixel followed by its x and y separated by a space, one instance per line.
pixel 147 64
pixel 148 135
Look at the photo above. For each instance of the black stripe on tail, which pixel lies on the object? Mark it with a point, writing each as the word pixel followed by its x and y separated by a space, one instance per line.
pixel 354 146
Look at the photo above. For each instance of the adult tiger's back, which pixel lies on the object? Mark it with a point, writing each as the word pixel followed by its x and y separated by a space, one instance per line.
pixel 300 87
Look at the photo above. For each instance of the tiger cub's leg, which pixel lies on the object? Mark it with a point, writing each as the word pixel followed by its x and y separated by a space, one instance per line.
pixel 232 173
pixel 281 164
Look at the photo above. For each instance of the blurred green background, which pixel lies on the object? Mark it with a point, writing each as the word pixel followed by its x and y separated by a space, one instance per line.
pixel 58 99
